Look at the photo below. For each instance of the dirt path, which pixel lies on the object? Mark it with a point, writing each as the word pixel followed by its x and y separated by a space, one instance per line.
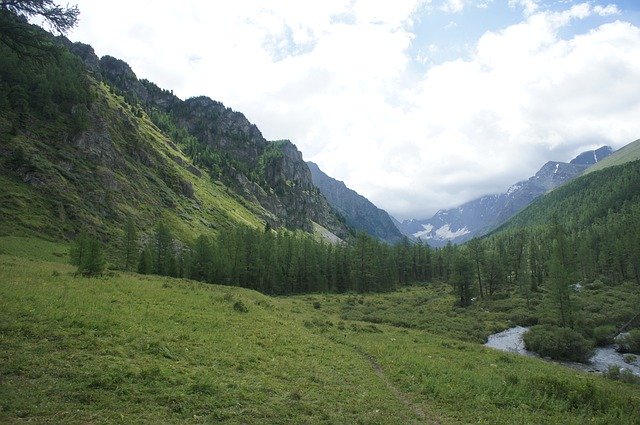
pixel 422 416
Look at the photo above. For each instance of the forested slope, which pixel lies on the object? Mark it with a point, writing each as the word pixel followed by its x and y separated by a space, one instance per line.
pixel 82 148
pixel 77 155
pixel 600 196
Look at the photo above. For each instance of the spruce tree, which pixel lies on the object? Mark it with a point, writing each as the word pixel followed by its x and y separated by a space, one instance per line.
pixel 87 254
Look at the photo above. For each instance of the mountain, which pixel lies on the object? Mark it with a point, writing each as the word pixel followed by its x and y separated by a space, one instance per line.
pixel 85 143
pixel 606 199
pixel 233 150
pixel 358 212
pixel 479 216
pixel 627 153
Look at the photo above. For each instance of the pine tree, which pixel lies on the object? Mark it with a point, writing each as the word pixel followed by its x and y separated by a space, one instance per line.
pixel 163 250
pixel 202 260
pixel 462 276
pixel 87 254
pixel 145 261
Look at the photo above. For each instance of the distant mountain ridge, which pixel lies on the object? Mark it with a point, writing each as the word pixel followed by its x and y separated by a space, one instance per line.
pixel 358 212
pixel 479 216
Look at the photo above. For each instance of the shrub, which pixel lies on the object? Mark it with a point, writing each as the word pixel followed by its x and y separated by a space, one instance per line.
pixel 558 343
pixel 630 342
pixel 624 375
pixel 603 335
pixel 240 307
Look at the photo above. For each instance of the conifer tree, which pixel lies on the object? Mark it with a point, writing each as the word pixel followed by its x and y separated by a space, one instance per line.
pixel 87 254
pixel 163 250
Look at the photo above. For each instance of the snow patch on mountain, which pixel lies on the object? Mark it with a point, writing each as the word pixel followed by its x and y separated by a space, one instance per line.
pixel 424 234
pixel 445 232
pixel 514 188
pixel 481 215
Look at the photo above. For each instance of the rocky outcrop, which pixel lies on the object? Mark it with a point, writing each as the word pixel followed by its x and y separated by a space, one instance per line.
pixel 270 174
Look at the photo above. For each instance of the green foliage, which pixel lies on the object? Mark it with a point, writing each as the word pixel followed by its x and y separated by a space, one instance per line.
pixel 558 343
pixel 240 307
pixel 462 277
pixel 145 261
pixel 616 373
pixel 30 41
pixel 87 254
pixel 130 245
pixel 630 342
pixel 164 260
pixel 603 335
pixel 186 353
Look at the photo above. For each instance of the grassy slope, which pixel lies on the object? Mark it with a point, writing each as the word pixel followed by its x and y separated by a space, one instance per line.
pixel 136 349
pixel 628 153
pixel 80 188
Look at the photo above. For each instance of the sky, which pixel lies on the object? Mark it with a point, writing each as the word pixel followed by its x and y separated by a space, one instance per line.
pixel 419 105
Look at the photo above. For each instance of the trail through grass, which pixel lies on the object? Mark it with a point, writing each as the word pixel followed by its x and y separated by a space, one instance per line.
pixel 127 348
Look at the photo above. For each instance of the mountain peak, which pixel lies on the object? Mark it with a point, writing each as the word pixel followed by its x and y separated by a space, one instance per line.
pixel 593 156
pixel 358 211
pixel 480 215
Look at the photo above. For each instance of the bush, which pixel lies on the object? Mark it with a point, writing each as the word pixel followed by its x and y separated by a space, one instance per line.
pixel 558 343
pixel 240 307
pixel 630 342
pixel 603 335
pixel 624 375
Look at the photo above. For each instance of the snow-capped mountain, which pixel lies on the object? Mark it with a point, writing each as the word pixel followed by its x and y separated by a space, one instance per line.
pixel 477 217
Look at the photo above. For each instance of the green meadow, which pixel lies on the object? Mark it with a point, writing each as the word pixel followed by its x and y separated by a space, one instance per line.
pixel 127 348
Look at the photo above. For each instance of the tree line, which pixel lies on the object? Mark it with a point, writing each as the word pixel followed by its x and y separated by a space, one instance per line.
pixel 278 261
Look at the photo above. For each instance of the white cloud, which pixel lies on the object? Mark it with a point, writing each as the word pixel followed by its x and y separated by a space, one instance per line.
pixel 610 9
pixel 529 6
pixel 452 6
pixel 336 78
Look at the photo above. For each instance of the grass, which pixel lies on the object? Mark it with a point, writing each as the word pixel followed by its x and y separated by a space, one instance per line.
pixel 33 248
pixel 126 348
pixel 127 168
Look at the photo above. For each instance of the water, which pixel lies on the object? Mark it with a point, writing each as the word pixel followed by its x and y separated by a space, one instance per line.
pixel 511 340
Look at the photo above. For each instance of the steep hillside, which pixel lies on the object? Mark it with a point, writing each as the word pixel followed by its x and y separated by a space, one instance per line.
pixel 272 175
pixel 477 217
pixel 594 198
pixel 628 153
pixel 86 144
pixel 358 211
pixel 90 159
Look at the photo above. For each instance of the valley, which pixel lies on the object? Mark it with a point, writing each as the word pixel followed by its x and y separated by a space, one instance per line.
pixel 138 349
pixel 162 261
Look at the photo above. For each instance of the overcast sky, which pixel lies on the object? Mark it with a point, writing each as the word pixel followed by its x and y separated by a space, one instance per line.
pixel 416 104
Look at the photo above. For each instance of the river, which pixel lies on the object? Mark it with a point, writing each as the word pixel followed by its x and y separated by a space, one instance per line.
pixel 511 340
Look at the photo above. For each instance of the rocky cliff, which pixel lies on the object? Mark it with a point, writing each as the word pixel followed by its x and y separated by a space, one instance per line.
pixel 272 175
